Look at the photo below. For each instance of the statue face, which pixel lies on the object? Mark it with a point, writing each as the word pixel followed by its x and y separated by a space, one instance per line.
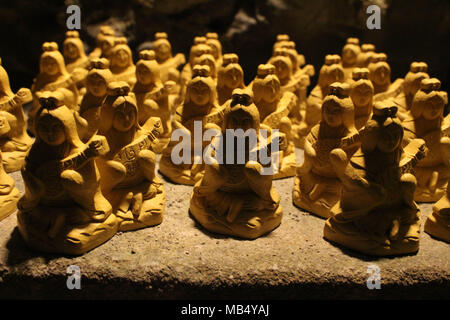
pixel 121 58
pixel 334 74
pixel 267 91
pixel 214 50
pixel 332 114
pixel 389 138
pixel 50 66
pixel 70 50
pixel 412 82
pixel 361 95
pixel 143 75
pixel 124 117
pixel 433 109
pixel 282 69
pixel 349 55
pixel 233 77
pixel 381 75
pixel 106 46
pixel 51 131
pixel 97 85
pixel 200 93
pixel 162 51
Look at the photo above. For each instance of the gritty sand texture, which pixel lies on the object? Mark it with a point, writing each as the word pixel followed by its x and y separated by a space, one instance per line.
pixel 180 260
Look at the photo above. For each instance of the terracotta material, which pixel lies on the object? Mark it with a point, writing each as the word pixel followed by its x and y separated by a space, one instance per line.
pixel 361 93
pixel 380 75
pixel 9 195
pixel 350 53
pixel 105 42
pixel 376 214
pixel 152 96
pixel 230 76
pixel 97 82
pixel 363 59
pixel 14 140
pixel 438 222
pixel 212 40
pixel 424 121
pixel 316 187
pixel 121 62
pixel 53 76
pixel 207 59
pixel 236 199
pixel 330 72
pixel 274 108
pixel 200 105
pixel 63 209
pixel 128 174
pixel 411 84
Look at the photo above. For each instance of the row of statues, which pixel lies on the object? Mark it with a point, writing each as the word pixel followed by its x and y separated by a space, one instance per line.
pixel 372 146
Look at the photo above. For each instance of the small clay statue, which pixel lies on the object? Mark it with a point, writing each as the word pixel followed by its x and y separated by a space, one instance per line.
pixel 282 39
pixel 121 62
pixel 168 65
pixel 77 63
pixel 363 58
pixel 207 59
pixel 380 75
pixel 63 209
pixel 105 42
pixel 237 199
pixel 53 76
pixel 316 187
pixel 411 84
pixel 350 53
pixel 330 72
pixel 274 108
pixel 376 214
pixel 230 76
pixel 97 82
pixel 361 93
pixel 200 107
pixel 424 121
pixel 152 96
pixel 9 195
pixel 438 222
pixel 14 140
pixel 129 180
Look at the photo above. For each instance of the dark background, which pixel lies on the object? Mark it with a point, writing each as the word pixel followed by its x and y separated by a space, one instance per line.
pixel 410 30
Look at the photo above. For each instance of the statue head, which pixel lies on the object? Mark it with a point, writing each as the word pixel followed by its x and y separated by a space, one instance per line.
pixel 330 72
pixel 162 47
pixel 200 47
pixel 241 113
pixel 212 40
pixel 73 47
pixel 429 102
pixel 230 73
pixel 201 89
pixel 350 52
pixel 121 55
pixel 379 70
pixel 98 77
pixel 207 60
pixel 105 40
pixel 52 61
pixel 417 72
pixel 266 86
pixel 282 62
pixel 147 69
pixel 363 59
pixel 337 107
pixel 361 89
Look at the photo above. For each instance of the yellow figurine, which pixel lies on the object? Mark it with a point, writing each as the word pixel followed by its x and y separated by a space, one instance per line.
pixel 121 62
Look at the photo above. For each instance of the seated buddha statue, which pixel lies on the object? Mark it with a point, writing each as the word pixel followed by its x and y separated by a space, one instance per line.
pixel 63 210
pixel 230 76
pixel 199 108
pixel 361 93
pixel 274 108
pixel 9 195
pixel 350 53
pixel 53 76
pixel 14 140
pixel 129 180
pixel 330 72
pixel 152 96
pixel 121 62
pixel 376 214
pixel 424 121
pixel 105 41
pixel 77 63
pixel 237 198
pixel 316 186
pixel 411 84
pixel 97 80
pixel 438 222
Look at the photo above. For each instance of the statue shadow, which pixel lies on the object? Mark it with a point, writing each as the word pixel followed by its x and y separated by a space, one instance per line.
pixel 364 257
pixel 19 252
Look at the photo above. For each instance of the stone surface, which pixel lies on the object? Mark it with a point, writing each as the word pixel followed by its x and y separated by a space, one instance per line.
pixel 180 260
